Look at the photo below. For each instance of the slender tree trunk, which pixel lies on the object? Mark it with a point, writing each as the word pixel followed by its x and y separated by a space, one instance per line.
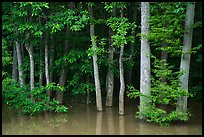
pixel 32 81
pixel 46 69
pixel 14 66
pixel 145 58
pixel 110 73
pixel 63 75
pixel 62 81
pixel 133 33
pixel 41 66
pixel 51 57
pixel 96 72
pixel 19 58
pixel 185 57
pixel 122 81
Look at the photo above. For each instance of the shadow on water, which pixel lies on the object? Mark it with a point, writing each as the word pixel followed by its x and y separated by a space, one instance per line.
pixel 83 119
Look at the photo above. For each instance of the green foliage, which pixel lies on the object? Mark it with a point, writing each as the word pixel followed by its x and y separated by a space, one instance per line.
pixel 99 50
pixel 17 97
pixel 120 26
pixel 6 56
pixel 162 93
pixel 166 27
pixel 80 87
pixel 110 5
pixel 75 19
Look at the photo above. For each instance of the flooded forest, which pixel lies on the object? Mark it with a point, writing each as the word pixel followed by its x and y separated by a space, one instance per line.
pixel 101 68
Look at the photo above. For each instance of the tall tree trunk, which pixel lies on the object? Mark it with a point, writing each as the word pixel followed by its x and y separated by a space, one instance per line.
pixel 122 81
pixel 145 58
pixel 185 57
pixel 19 58
pixel 63 75
pixel 41 66
pixel 96 72
pixel 133 33
pixel 46 69
pixel 110 73
pixel 51 57
pixel 14 66
pixel 62 81
pixel 32 81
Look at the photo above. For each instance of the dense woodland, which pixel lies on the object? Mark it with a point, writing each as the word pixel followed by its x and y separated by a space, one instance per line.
pixel 102 53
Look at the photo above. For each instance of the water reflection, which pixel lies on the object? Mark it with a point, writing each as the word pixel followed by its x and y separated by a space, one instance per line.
pixel 99 118
pixel 110 121
pixel 85 120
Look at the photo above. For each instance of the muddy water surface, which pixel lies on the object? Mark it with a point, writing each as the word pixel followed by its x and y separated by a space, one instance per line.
pixel 83 119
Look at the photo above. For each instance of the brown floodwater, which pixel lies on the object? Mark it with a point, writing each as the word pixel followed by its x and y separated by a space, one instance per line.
pixel 83 119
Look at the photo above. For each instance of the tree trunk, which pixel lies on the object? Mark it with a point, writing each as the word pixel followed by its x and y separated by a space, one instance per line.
pixel 19 58
pixel 32 81
pixel 122 81
pixel 95 65
pixel 145 58
pixel 185 57
pixel 62 81
pixel 110 74
pixel 63 75
pixel 51 57
pixel 41 67
pixel 132 44
pixel 46 69
pixel 14 66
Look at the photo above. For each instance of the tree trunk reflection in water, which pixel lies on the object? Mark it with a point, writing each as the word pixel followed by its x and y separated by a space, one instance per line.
pixel 110 122
pixel 99 117
pixel 121 125
pixel 83 119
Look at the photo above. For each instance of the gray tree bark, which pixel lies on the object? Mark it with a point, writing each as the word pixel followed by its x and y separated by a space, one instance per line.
pixel 144 58
pixel 19 58
pixel 14 66
pixel 110 73
pixel 95 65
pixel 46 68
pixel 41 66
pixel 51 57
pixel 122 81
pixel 185 57
pixel 32 81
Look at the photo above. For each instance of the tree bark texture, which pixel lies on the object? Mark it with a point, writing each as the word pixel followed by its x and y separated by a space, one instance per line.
pixel 19 58
pixel 29 48
pixel 41 66
pixel 185 57
pixel 46 68
pixel 122 81
pixel 144 58
pixel 15 64
pixel 110 73
pixel 95 65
